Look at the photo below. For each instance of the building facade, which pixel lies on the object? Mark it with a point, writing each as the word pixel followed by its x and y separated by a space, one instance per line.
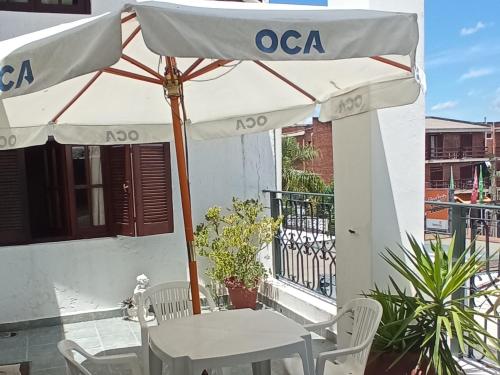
pixel 94 270
pixel 456 147
pixel 319 135
pixel 373 152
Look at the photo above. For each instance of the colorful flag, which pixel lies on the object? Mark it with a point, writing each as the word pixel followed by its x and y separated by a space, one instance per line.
pixel 481 185
pixel 473 196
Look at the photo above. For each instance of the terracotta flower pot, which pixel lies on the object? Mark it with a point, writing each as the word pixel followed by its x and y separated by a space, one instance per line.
pixel 378 364
pixel 241 297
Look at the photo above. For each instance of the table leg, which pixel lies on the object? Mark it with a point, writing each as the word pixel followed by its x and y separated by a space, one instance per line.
pixel 261 368
pixel 310 359
pixel 155 364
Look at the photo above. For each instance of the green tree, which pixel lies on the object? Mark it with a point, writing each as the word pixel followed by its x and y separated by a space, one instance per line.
pixel 295 179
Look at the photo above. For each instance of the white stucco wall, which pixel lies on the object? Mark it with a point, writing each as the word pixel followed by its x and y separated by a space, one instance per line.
pixel 379 179
pixel 65 278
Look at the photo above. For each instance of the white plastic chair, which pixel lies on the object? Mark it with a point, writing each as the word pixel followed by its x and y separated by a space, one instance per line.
pixel 351 360
pixel 170 300
pixel 68 347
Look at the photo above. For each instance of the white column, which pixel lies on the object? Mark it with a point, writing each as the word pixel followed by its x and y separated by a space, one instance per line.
pixel 379 182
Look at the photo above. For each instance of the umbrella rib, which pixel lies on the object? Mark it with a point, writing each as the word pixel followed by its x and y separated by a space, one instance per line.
pixel 131 36
pixel 142 66
pixel 205 69
pixel 193 66
pixel 129 17
pixel 392 63
pixel 286 80
pixel 76 97
pixel 94 78
pixel 139 77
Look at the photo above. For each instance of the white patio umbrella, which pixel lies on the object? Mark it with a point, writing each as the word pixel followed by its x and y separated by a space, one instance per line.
pixel 233 69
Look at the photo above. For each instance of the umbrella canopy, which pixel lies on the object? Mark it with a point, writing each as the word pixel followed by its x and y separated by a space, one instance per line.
pixel 247 68
pixel 233 68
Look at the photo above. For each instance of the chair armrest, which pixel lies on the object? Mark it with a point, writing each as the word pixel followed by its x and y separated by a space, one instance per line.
pixel 130 359
pixel 312 327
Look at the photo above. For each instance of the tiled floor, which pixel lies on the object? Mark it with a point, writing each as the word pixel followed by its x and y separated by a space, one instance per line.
pixel 107 336
pixel 38 345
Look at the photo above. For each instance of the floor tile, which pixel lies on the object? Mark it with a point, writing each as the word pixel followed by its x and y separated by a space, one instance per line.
pixel 108 327
pixel 20 340
pixel 51 371
pixel 79 334
pixel 45 335
pixel 44 357
pixel 119 340
pixel 78 326
pixel 13 355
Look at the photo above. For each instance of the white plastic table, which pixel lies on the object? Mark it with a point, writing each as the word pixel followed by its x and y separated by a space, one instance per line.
pixel 227 338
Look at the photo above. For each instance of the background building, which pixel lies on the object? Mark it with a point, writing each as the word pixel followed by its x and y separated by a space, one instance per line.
pixel 319 135
pixel 458 146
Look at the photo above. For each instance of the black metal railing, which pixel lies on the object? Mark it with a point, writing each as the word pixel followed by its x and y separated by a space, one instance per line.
pixel 463 152
pixel 478 225
pixel 304 247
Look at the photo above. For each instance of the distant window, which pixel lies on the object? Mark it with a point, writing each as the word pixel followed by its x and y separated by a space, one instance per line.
pixel 47 6
pixel 436 173
pixel 488 135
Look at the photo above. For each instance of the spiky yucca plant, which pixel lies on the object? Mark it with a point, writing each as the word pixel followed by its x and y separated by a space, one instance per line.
pixel 426 320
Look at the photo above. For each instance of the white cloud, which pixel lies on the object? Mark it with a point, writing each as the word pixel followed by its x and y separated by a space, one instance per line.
pixel 444 105
pixel 472 30
pixel 476 73
pixel 485 51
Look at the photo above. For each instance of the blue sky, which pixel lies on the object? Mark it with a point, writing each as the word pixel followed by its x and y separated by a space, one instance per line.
pixel 462 57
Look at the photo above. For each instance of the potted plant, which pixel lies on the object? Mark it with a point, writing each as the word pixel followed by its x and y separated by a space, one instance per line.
pixel 416 328
pixel 231 242
pixel 130 308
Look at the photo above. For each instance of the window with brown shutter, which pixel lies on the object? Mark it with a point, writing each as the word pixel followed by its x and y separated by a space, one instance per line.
pixel 153 189
pixel 141 190
pixel 120 190
pixel 55 192
pixel 14 223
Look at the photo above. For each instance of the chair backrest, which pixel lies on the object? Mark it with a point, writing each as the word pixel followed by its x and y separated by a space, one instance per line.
pixel 171 300
pixel 66 348
pixel 366 314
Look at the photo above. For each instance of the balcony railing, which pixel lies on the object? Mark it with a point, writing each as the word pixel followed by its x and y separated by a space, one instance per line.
pixel 304 247
pixel 472 152
pixel 460 184
pixel 480 226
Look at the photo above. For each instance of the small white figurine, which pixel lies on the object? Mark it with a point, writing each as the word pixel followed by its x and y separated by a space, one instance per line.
pixel 142 284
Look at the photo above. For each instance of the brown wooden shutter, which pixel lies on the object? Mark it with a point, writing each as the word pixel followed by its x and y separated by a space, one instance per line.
pixel 121 190
pixel 153 189
pixel 14 216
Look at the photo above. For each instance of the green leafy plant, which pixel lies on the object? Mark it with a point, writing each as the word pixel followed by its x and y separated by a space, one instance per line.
pixel 295 179
pixel 431 316
pixel 232 242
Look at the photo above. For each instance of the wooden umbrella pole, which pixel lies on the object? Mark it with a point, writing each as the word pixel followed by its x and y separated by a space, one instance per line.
pixel 172 88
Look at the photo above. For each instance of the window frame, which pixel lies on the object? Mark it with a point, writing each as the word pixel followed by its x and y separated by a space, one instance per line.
pixel 92 231
pixel 82 7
